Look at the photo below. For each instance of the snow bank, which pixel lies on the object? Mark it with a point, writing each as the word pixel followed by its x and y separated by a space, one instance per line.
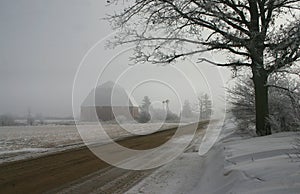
pixel 264 163
pixel 236 164
pixel 241 164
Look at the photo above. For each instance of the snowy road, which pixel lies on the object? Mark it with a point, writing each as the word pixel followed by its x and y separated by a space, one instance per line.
pixel 77 170
pixel 21 142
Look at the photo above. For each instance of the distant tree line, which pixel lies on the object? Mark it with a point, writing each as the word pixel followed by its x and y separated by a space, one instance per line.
pixel 29 119
pixel 7 120
pixel 149 113
pixel 202 108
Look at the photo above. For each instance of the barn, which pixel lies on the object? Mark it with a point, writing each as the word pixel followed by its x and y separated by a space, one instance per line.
pixel 106 102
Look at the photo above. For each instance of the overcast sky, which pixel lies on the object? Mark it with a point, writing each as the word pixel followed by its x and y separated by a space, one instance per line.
pixel 42 43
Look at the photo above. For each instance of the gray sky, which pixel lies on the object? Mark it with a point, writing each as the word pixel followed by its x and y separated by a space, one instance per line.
pixel 41 45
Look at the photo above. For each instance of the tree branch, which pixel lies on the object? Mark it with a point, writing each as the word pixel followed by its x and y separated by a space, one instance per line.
pixel 238 63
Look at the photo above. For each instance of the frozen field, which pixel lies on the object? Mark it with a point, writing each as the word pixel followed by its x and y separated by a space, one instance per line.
pixel 20 142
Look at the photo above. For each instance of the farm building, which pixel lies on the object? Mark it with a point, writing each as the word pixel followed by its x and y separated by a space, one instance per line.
pixel 107 102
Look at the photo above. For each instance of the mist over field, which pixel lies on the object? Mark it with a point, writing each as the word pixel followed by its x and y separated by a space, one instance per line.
pixel 42 45
pixel 150 96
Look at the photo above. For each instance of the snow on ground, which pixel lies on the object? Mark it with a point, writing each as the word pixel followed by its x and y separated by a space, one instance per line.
pixel 236 164
pixel 19 142
pixel 264 164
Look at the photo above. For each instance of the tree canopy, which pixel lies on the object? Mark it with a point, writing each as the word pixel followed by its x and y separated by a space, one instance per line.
pixel 263 35
pixel 238 27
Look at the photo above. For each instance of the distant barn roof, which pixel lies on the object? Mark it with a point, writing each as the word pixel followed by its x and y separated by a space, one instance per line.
pixel 108 94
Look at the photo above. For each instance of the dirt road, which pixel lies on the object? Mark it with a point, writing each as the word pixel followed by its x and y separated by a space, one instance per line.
pixel 76 170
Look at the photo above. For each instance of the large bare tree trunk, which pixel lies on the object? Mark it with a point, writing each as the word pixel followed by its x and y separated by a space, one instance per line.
pixel 261 102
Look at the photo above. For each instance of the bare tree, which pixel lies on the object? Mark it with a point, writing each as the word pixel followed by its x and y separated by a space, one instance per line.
pixel 204 106
pixel 242 99
pixel 284 101
pixel 253 33
pixel 30 118
pixel 207 104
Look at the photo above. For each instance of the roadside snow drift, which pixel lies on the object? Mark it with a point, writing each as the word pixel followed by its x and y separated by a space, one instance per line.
pixel 236 164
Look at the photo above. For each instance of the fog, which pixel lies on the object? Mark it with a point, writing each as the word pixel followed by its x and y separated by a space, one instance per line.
pixel 43 42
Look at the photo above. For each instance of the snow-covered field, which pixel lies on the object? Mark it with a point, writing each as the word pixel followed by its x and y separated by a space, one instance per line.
pixel 18 142
pixel 236 164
